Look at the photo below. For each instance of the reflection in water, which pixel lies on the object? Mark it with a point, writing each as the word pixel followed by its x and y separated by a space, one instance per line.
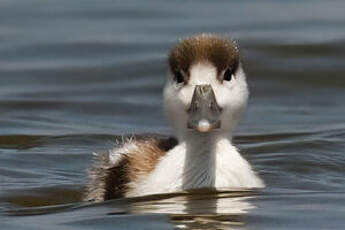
pixel 222 213
pixel 198 209
pixel 201 209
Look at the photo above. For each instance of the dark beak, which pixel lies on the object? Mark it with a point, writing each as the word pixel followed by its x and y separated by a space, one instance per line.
pixel 204 111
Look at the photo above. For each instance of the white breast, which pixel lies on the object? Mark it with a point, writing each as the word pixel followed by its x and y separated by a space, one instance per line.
pixel 177 171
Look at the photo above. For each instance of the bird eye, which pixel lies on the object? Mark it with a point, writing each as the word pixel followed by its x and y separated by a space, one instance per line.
pixel 179 77
pixel 228 74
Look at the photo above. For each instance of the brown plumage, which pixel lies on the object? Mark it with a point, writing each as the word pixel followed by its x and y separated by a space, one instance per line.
pixel 109 181
pixel 221 52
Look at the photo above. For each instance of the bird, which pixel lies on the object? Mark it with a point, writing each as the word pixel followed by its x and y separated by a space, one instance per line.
pixel 204 97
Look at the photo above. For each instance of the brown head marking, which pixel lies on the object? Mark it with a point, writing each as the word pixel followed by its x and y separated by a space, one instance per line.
pixel 220 52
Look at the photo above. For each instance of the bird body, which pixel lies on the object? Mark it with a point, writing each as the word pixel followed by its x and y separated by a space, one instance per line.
pixel 204 97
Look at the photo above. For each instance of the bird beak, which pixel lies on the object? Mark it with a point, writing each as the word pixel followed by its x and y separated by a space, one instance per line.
pixel 204 111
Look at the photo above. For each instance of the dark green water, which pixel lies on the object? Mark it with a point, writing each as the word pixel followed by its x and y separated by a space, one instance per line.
pixel 74 75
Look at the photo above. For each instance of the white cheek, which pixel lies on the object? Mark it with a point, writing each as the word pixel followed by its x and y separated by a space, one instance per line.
pixel 232 97
pixel 175 106
pixel 171 93
pixel 185 95
pixel 234 92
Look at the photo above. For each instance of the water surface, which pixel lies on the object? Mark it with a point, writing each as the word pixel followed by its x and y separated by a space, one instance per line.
pixel 76 75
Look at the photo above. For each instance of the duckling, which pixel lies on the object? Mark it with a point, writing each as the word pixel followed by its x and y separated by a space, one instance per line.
pixel 204 95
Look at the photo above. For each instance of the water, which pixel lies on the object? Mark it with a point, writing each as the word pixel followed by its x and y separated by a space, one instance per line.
pixel 74 75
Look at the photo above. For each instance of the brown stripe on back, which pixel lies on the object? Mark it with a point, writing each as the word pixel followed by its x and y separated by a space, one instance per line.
pixel 110 181
pixel 148 153
pixel 221 52
pixel 117 180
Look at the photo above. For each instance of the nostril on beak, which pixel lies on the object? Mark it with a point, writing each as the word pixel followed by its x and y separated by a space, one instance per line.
pixel 203 90
pixel 200 90
pixel 207 89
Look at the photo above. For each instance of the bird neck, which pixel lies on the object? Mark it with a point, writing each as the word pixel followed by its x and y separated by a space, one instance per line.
pixel 200 160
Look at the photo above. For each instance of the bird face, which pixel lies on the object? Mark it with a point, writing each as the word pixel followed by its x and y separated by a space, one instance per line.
pixel 206 89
